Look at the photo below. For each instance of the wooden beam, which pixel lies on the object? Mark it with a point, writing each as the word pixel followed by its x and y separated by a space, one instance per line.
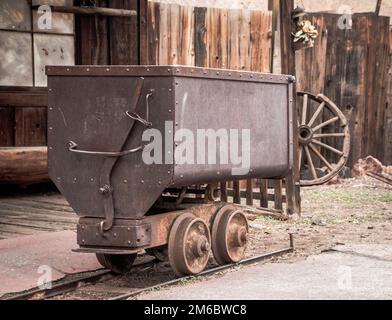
pixel 98 11
pixel 24 165
pixel 287 26
pixel 23 99
pixel 378 7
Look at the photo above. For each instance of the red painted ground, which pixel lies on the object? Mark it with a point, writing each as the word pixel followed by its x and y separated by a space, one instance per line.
pixel 21 258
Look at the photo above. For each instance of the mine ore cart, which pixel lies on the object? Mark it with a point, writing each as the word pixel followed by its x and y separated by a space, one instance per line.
pixel 97 117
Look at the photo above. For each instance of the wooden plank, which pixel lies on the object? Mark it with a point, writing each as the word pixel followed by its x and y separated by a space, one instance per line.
pixel 244 41
pixel 153 33
pixel 249 192
pixel 264 193
pixel 123 40
pixel 23 99
pixel 237 192
pixel 7 120
pixel 92 38
pixel 200 37
pixel 217 38
pixel 261 41
pixel 164 34
pixel 143 30
pixel 30 126
pixel 223 188
pixel 278 194
pixel 174 35
pixel 234 39
pixel 187 36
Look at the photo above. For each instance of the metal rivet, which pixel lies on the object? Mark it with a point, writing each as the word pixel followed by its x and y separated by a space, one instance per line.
pixel 97 234
pixel 92 179
pixel 50 128
pixel 50 89
pixel 129 242
pixel 217 73
pixel 67 69
pixel 115 235
pixel 159 182
pixel 83 241
pixel 182 177
pixel 169 172
pixel 82 227
pixel 51 108
pixel 128 69
pixel 88 69
pixel 170 110
pixel 129 229
pixel 125 181
pixel 50 148
pixel 58 178
pixel 107 69
pixel 218 173
pixel 142 181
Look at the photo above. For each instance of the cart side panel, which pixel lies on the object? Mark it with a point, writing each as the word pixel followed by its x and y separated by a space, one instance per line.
pixel 262 108
pixel 91 111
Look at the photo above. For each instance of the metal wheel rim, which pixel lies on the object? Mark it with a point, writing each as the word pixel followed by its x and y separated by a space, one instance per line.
pixel 184 236
pixel 309 144
pixel 225 230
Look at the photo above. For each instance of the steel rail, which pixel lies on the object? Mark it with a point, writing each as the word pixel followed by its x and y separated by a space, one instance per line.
pixel 72 285
pixel 208 272
pixel 68 286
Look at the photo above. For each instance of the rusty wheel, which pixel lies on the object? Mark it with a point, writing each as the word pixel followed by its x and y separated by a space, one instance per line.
pixel 230 232
pixel 117 263
pixel 189 245
pixel 312 137
pixel 160 253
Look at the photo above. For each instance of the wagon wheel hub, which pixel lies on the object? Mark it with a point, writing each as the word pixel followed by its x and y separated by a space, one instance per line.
pixel 324 138
pixel 305 135
pixel 201 246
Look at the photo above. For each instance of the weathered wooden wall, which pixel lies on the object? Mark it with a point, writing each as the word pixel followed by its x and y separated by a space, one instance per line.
pixel 351 68
pixel 388 112
pixel 207 37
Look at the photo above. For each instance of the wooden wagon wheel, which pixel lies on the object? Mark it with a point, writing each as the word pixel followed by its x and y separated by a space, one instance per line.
pixel 311 137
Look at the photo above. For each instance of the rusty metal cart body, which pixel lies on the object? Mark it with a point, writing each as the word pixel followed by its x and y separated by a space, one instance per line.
pixel 96 119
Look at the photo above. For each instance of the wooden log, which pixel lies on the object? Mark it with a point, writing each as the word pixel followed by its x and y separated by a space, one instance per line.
pixel 24 165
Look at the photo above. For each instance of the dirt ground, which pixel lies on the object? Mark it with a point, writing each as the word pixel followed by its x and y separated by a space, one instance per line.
pixel 353 211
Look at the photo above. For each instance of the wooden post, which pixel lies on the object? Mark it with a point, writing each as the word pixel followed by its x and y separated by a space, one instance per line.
pixel 378 7
pixel 293 196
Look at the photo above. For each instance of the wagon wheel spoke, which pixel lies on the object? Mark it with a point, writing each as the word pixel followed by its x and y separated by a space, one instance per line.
pixel 329 135
pixel 326 146
pixel 310 162
pixel 324 124
pixel 316 115
pixel 304 109
pixel 322 158
pixel 301 151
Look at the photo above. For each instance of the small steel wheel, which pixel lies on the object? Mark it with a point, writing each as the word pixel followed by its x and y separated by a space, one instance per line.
pixel 160 253
pixel 189 245
pixel 230 233
pixel 315 137
pixel 117 263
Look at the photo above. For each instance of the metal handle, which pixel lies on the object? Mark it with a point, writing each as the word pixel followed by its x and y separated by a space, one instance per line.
pixel 73 148
pixel 138 118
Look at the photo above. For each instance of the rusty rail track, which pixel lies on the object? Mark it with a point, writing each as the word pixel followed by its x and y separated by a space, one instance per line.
pixel 255 259
pixel 73 285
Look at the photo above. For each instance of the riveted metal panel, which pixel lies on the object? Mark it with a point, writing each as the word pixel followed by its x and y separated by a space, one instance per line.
pixel 260 107
pixel 91 111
